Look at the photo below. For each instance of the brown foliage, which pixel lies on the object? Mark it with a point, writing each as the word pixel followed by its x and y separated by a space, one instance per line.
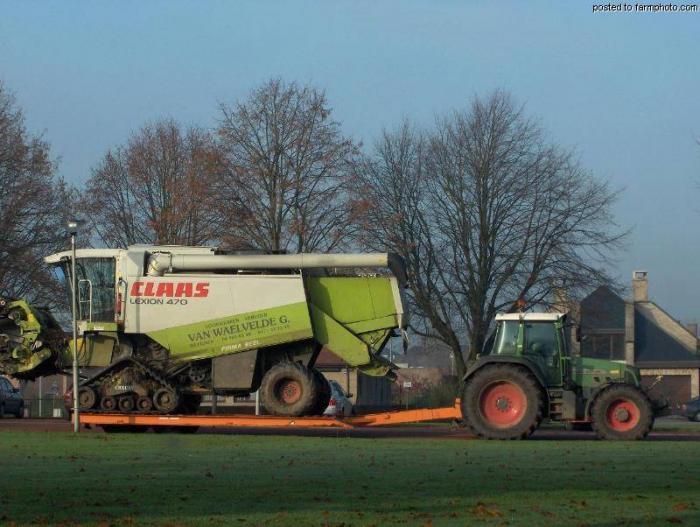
pixel 287 171
pixel 155 189
pixel 485 212
pixel 34 204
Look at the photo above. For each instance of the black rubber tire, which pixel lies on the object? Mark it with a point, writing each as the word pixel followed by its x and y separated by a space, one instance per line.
pixel 2 411
pixel 697 417
pixel 286 373
pixel 489 375
pixel 323 393
pixel 20 412
pixel 613 393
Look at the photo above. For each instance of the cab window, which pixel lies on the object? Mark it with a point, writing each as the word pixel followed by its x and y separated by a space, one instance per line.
pixel 96 287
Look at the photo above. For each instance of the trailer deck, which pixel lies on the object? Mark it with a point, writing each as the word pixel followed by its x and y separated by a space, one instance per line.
pixel 271 421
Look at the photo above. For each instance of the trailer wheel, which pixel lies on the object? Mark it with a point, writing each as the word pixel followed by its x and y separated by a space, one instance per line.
pixel 502 401
pixel 288 389
pixel 622 411
pixel 324 393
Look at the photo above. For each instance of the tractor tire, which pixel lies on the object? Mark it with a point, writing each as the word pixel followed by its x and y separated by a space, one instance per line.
pixel 324 393
pixel 502 401
pixel 622 411
pixel 289 389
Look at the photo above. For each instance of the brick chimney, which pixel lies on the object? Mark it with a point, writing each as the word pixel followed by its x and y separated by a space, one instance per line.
pixel 640 286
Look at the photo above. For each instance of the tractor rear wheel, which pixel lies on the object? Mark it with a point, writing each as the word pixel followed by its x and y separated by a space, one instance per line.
pixel 622 411
pixel 289 389
pixel 502 401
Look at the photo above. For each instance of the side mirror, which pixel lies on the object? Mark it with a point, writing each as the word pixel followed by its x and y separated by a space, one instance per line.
pixel 349 396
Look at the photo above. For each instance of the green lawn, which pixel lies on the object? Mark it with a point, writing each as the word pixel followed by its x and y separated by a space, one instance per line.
pixel 151 479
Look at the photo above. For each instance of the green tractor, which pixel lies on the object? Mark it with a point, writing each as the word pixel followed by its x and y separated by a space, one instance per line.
pixel 527 375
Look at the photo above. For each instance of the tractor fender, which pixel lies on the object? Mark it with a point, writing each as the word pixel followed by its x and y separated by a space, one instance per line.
pixel 505 359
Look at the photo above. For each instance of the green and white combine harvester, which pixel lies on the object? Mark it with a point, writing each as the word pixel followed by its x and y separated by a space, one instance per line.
pixel 162 325
pixel 165 324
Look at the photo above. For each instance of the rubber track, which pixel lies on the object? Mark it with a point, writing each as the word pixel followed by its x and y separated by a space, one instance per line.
pixel 143 369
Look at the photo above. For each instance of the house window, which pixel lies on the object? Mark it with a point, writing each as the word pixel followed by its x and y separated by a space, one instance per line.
pixel 608 345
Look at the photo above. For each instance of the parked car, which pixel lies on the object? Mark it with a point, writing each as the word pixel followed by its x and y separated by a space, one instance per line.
pixel 11 401
pixel 691 409
pixel 339 404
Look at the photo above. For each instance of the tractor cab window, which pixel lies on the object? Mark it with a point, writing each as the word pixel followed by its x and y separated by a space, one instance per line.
pixel 541 340
pixel 96 283
pixel 541 344
pixel 506 340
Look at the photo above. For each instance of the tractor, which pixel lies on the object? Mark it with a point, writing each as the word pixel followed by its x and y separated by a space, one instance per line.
pixel 527 375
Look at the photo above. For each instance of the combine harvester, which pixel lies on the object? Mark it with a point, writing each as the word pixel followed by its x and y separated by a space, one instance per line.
pixel 161 325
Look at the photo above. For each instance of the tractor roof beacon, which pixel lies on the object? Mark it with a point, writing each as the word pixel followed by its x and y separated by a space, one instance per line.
pixel 528 375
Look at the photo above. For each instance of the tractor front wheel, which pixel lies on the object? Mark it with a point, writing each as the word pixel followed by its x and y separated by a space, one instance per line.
pixel 289 389
pixel 502 401
pixel 622 412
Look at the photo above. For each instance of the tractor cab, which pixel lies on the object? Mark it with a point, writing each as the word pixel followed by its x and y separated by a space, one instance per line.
pixel 538 337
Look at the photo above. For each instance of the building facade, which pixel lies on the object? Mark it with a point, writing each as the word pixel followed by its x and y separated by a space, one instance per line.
pixel 640 332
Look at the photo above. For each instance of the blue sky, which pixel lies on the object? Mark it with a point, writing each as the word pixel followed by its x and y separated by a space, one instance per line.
pixel 622 89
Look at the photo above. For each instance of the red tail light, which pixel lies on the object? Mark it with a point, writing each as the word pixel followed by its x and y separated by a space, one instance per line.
pixel 332 402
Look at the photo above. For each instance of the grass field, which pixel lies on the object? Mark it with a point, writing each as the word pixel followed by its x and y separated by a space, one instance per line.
pixel 151 479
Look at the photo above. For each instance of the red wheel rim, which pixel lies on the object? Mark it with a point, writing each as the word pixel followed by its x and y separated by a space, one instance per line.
pixel 503 404
pixel 289 391
pixel 622 415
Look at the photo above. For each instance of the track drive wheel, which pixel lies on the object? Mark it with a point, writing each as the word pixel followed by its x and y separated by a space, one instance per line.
pixel 323 393
pixel 622 411
pixel 502 401
pixel 289 389
pixel 166 400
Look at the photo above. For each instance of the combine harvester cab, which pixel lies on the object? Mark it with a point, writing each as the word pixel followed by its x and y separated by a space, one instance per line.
pixel 159 326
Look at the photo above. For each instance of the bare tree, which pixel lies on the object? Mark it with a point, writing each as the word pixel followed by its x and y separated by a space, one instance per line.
pixel 34 203
pixel 155 189
pixel 495 216
pixel 284 187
